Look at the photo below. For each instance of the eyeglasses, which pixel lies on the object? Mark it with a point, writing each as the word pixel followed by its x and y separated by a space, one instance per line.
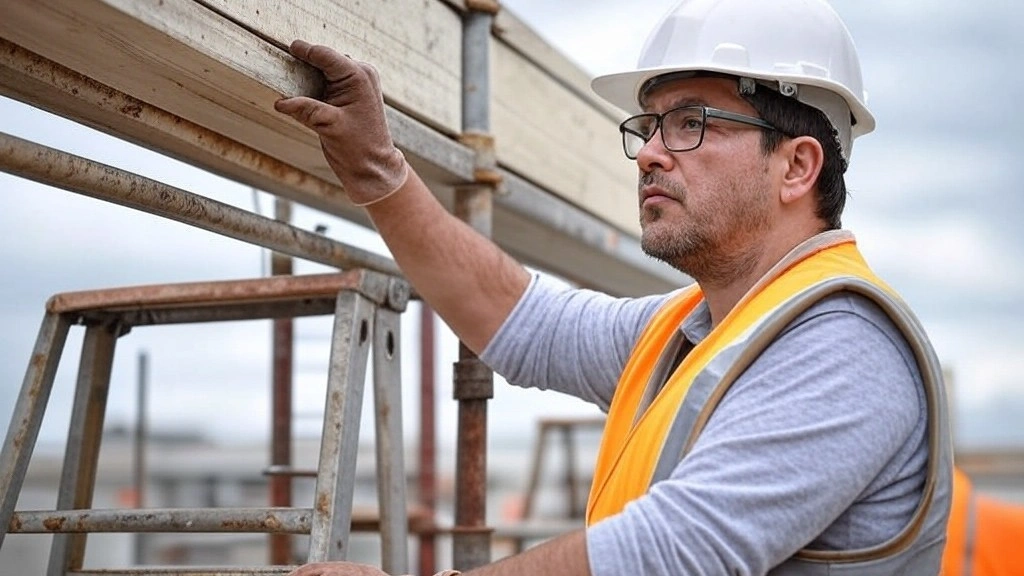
pixel 682 129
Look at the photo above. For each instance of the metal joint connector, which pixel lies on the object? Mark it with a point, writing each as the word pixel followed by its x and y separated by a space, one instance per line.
pixel 485 164
pixel 399 293
pixel 486 6
pixel 473 380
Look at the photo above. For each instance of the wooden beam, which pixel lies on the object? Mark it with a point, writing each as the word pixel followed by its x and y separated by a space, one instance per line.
pixel 548 135
pixel 180 57
pixel 415 45
pixel 195 65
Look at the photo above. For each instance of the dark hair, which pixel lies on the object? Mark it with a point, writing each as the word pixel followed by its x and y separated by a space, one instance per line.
pixel 794 118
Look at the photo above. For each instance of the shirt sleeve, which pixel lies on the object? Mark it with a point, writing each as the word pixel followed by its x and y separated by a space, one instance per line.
pixel 820 443
pixel 570 340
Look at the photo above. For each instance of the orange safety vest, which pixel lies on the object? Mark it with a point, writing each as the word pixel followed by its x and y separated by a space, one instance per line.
pixel 651 426
pixel 632 442
pixel 985 536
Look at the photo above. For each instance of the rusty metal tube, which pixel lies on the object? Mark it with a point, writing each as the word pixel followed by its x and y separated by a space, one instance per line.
pixel 473 386
pixel 76 174
pixel 272 520
pixel 283 344
pixel 427 478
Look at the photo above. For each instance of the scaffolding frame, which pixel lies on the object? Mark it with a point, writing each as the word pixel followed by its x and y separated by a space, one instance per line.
pixel 467 163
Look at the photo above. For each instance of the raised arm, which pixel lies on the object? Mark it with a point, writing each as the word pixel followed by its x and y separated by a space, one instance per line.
pixel 464 276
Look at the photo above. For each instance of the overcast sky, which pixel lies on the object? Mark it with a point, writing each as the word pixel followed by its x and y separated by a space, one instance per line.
pixel 935 203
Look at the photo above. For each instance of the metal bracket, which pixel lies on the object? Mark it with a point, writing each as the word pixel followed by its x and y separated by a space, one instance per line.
pixel 399 293
pixel 473 380
pixel 485 162
pixel 486 6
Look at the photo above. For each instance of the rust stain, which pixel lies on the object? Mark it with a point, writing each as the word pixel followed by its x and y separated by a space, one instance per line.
pixel 272 523
pixel 133 109
pixel 54 524
pixel 15 524
pixel 38 361
pixel 236 525
pixel 323 503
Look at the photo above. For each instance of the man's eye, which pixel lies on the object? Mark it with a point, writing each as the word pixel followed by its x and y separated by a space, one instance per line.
pixel 686 122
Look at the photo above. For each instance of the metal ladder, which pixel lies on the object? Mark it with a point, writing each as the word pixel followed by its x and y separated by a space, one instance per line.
pixel 366 307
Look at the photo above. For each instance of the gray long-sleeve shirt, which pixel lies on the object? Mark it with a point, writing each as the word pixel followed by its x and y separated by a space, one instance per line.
pixel 821 442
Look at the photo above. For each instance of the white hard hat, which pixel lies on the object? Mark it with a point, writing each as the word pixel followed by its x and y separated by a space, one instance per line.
pixel 800 47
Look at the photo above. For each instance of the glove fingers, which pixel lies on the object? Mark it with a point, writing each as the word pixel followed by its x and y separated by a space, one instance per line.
pixel 311 113
pixel 334 65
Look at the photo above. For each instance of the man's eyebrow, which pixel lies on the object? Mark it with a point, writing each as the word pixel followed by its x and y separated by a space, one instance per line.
pixel 679 103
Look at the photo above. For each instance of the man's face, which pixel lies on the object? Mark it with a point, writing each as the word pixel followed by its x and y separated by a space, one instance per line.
pixel 705 211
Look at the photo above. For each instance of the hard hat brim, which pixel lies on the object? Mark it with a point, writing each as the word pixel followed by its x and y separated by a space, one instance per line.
pixel 622 89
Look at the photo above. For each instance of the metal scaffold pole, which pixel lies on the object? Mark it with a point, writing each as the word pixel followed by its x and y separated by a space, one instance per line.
pixel 474 386
pixel 281 399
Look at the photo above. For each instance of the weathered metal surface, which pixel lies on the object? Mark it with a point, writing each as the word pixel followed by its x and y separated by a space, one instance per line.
pixel 28 413
pixel 528 221
pixel 339 441
pixel 390 441
pixel 283 345
pixel 76 174
pixel 215 293
pixel 260 520
pixel 190 571
pixel 427 476
pixel 78 476
pixel 474 205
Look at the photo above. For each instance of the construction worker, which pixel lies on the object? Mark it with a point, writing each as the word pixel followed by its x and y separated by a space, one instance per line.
pixel 782 415
pixel 985 534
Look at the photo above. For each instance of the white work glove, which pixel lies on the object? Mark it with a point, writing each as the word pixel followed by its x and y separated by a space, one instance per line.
pixel 351 124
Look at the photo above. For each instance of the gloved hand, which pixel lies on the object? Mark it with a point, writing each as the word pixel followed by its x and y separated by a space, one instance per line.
pixel 351 124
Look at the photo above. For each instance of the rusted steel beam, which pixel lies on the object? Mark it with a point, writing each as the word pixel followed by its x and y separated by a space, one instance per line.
pixel 190 571
pixel 197 520
pixel 280 486
pixel 261 520
pixel 83 176
pixel 215 293
pixel 427 477
pixel 473 386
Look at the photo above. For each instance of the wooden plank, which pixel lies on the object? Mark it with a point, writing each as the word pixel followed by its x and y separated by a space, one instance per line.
pixel 527 221
pixel 195 64
pixel 515 33
pixel 415 45
pixel 549 127
pixel 180 57
pixel 548 135
pixel 30 78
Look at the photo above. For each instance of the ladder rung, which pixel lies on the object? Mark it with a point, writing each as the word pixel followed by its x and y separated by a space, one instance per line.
pixel 190 571
pixel 265 520
pixel 194 520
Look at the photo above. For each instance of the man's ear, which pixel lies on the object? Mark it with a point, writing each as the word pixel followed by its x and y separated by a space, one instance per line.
pixel 804 158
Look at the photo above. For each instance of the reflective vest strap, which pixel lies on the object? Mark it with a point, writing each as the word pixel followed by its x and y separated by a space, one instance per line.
pixel 735 359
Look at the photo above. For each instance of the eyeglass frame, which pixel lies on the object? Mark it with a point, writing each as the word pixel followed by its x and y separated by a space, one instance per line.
pixel 706 112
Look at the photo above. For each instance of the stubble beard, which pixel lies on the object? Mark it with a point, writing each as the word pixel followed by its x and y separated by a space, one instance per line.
pixel 707 245
pixel 679 246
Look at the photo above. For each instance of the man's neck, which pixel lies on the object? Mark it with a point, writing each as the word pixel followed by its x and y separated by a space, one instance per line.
pixel 723 296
